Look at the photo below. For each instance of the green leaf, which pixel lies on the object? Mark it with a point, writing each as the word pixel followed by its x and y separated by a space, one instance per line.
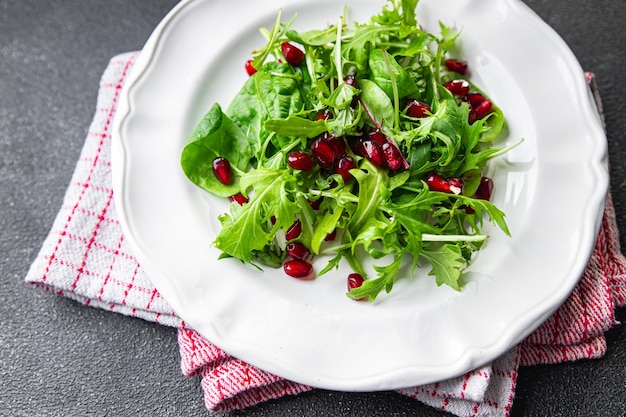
pixel 342 96
pixel 215 136
pixel 246 230
pixel 271 93
pixel 385 280
pixel 373 188
pixel 377 103
pixel 381 68
pixel 447 263
pixel 296 126
pixel 313 37
pixel 326 225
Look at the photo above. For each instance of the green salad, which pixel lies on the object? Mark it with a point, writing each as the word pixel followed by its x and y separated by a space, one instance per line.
pixel 363 142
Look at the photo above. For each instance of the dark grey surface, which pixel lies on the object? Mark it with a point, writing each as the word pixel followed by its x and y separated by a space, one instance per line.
pixel 59 358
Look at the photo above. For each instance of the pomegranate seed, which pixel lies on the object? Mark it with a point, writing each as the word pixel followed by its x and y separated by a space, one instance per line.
pixel 338 143
pixel 456 185
pixel 297 250
pixel 456 65
pixel 458 87
pixel 324 115
pixel 331 236
pixel 300 160
pixel 479 106
pixel 474 99
pixel 273 220
pixel 351 81
pixel 222 171
pixel 417 109
pixel 436 182
pixel 315 205
pixel 355 281
pixel 324 151
pixel 298 268
pixel 294 230
pixel 483 109
pixel 393 156
pixel 373 152
pixel 356 145
pixel 292 54
pixel 377 136
pixel 343 165
pixel 239 198
pixel 485 188
pixel 249 68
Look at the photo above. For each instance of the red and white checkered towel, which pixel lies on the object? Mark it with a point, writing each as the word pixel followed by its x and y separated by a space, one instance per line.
pixel 86 258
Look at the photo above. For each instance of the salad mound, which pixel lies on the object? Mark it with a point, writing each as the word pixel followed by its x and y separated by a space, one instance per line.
pixel 361 141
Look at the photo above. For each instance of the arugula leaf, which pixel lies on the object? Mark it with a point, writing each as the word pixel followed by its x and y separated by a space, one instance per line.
pixel 246 229
pixel 447 263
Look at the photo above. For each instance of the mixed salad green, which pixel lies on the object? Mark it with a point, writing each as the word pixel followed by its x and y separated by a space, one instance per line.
pixel 369 137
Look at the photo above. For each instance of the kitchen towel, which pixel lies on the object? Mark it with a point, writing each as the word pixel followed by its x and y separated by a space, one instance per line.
pixel 85 257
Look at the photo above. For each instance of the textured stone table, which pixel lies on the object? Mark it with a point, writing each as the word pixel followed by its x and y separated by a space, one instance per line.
pixel 59 358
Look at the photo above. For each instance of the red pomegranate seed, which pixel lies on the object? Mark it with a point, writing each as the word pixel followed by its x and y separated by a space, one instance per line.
pixel 292 54
pixel 338 143
pixel 436 182
pixel 456 185
pixel 483 109
pixel 222 171
pixel 456 65
pixel 298 268
pixel 239 198
pixel 315 205
pixel 417 109
pixel 300 160
pixel 452 185
pixel 249 68
pixel 294 230
pixel 377 136
pixel 458 87
pixel 393 156
pixel 355 281
pixel 324 115
pixel 343 165
pixel 351 81
pixel 356 145
pixel 479 106
pixel 373 152
pixel 485 188
pixel 297 250
pixel 474 99
pixel 325 150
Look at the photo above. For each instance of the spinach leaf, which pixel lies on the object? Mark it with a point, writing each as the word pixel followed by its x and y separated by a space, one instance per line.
pixel 271 93
pixel 383 67
pixel 215 136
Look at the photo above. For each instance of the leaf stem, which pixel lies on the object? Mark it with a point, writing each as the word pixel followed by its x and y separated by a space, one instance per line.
pixel 427 237
pixel 337 51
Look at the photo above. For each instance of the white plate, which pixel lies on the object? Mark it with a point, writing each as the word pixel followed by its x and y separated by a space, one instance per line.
pixel 552 189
